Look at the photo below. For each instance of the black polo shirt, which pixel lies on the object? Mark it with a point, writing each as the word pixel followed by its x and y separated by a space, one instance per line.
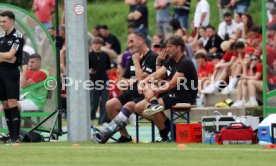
pixel 99 62
pixel 185 66
pixel 12 40
pixel 147 63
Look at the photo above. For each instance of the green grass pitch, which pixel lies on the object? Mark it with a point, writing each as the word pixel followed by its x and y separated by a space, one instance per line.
pixel 168 154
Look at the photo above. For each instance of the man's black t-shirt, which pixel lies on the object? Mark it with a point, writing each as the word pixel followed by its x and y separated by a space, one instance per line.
pixel 182 10
pixel 142 22
pixel 99 62
pixel 114 42
pixel 214 42
pixel 188 87
pixel 147 63
pixel 12 40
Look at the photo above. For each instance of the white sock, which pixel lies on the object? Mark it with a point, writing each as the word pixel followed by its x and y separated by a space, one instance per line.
pixel 217 84
pixel 253 98
pixel 233 81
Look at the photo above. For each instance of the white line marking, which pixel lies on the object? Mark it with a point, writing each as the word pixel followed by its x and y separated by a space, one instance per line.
pixel 144 148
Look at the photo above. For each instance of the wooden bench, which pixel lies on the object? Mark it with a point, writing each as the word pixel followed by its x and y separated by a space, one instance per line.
pixel 137 119
pixel 178 111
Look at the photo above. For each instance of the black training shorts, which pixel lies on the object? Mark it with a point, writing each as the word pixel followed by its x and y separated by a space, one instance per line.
pixel 171 98
pixel 130 95
pixel 9 83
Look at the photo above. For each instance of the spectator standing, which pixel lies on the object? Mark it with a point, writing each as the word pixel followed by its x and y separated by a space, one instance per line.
pixel 181 12
pixel 163 13
pixel 139 16
pixel 240 6
pixel 43 10
pixel 99 63
pixel 202 14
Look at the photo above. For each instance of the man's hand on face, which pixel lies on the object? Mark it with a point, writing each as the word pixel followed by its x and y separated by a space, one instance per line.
pixel 136 57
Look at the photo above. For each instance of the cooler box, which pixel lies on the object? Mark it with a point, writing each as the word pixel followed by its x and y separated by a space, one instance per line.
pixel 188 133
pixel 212 125
pixel 264 130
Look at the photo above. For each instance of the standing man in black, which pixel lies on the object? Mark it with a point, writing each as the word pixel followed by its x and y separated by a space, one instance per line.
pixel 99 63
pixel 11 46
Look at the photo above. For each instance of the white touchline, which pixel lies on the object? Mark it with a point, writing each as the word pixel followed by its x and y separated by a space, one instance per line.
pixel 143 148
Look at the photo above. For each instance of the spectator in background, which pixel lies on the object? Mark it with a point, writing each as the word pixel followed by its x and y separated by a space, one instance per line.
pixel 254 34
pixel 229 29
pixel 181 12
pixel 247 71
pixel 222 67
pixel 32 73
pixel 255 82
pixel 238 19
pixel 225 6
pixel 247 24
pixel 99 63
pixel 273 17
pixel 43 10
pixel 33 100
pixel 96 30
pixel 240 6
pixel 176 27
pixel 139 16
pixel 113 76
pixel 202 14
pixel 235 68
pixel 62 50
pixel 214 41
pixel 163 13
pixel 201 39
pixel 205 70
pixel 52 32
pixel 156 39
pixel 112 45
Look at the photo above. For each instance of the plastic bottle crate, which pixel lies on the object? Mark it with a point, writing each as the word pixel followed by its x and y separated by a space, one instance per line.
pixel 188 133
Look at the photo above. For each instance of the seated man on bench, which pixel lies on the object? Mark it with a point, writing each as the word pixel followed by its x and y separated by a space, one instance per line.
pixel 119 109
pixel 180 86
pixel 35 99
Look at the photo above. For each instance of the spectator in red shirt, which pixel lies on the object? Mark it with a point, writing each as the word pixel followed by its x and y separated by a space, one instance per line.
pixel 35 99
pixel 113 77
pixel 221 68
pixel 251 81
pixel 43 10
pixel 271 76
pixel 206 68
pixel 235 68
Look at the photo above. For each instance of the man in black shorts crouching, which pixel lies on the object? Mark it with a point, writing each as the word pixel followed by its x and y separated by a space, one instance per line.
pixel 11 44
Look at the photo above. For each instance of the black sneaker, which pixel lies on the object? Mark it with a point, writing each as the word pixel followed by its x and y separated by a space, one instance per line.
pixel 8 141
pixel 160 140
pixel 124 139
pixel 153 109
pixel 16 141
